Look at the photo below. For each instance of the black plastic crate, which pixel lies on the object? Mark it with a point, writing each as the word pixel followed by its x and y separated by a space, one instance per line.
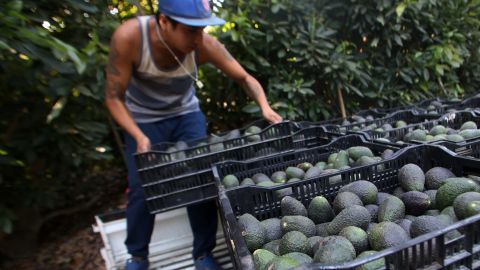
pixel 269 165
pixel 469 148
pixel 410 116
pixel 189 181
pixel 311 137
pixel 453 120
pixel 160 152
pixel 429 251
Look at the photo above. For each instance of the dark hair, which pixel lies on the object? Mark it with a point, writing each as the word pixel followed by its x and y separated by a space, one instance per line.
pixel 172 21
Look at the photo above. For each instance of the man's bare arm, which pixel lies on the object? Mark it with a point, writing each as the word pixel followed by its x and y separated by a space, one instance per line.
pixel 119 70
pixel 214 52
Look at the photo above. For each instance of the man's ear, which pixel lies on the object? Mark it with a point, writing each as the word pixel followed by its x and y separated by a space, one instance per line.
pixel 163 21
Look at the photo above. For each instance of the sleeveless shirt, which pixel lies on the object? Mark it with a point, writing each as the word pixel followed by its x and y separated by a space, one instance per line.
pixel 155 93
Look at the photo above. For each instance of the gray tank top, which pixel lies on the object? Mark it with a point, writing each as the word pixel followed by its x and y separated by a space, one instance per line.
pixel 154 93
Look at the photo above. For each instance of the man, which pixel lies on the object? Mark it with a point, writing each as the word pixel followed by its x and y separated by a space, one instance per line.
pixel 150 92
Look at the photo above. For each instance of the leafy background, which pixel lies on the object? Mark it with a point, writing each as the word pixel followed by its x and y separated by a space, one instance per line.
pixel 56 130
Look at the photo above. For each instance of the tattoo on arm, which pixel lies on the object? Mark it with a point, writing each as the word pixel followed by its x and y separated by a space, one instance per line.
pixel 112 59
pixel 114 90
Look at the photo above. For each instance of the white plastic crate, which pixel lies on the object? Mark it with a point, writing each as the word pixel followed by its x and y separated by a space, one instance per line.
pixel 170 247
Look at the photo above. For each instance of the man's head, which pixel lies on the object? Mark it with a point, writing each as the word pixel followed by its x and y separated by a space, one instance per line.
pixel 182 22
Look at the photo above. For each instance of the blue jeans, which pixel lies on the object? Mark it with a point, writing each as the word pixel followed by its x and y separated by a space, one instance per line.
pixel 203 217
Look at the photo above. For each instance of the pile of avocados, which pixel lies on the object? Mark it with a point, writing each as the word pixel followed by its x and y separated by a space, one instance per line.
pixel 361 221
pixel 468 130
pixel 344 159
pixel 215 143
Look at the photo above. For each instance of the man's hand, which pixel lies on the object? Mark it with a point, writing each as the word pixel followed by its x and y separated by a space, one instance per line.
pixel 271 116
pixel 143 144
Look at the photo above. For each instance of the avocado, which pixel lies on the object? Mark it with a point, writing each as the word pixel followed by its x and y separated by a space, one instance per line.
pixel 411 178
pixel 381 196
pixel 298 223
pixel 437 130
pixel 313 172
pixel 313 241
pixel 252 231
pixel 388 153
pixel 273 246
pixel 300 258
pixel 431 193
pixel 294 172
pixel 341 159
pixel 405 224
pixel 468 125
pixel 365 190
pixel 461 201
pixel 333 180
pixel 453 187
pixel 469 133
pixel 292 207
pixel 282 263
pixel 357 237
pixel 356 152
pixel 391 209
pixel 279 177
pixel 252 130
pixel 354 215
pixel 262 257
pixel 364 160
pixel 266 184
pixel 386 234
pixel 425 224
pixel 450 211
pixel 294 241
pixel 247 182
pixel 439 137
pixel 272 227
pixel 230 181
pixel 334 249
pixel 344 200
pixel 418 135
pixel 253 138
pixel 373 209
pixel 319 210
pixel 435 177
pixel 473 208
pixel 305 166
pixel 260 177
pixel 400 123
pixel 321 165
pixel 432 212
pixel 233 134
pixel 455 138
pixel 331 158
pixel 321 229
pixel 372 265
pixel 416 202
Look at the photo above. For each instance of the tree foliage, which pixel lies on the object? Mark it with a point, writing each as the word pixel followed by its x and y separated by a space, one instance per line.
pixel 379 53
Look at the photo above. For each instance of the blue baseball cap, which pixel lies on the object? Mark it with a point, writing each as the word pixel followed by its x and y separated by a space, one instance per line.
pixel 189 12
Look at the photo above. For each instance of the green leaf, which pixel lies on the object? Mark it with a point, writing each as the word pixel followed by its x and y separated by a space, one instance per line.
pixel 275 8
pixel 56 109
pixel 4 45
pixel 74 55
pixel 400 9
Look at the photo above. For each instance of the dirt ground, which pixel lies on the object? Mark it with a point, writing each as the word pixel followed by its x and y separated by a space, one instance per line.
pixel 69 243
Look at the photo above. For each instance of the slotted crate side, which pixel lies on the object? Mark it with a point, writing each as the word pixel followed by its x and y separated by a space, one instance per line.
pixel 269 165
pixel 263 203
pixel 160 154
pixel 469 148
pixel 311 137
pixel 190 181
